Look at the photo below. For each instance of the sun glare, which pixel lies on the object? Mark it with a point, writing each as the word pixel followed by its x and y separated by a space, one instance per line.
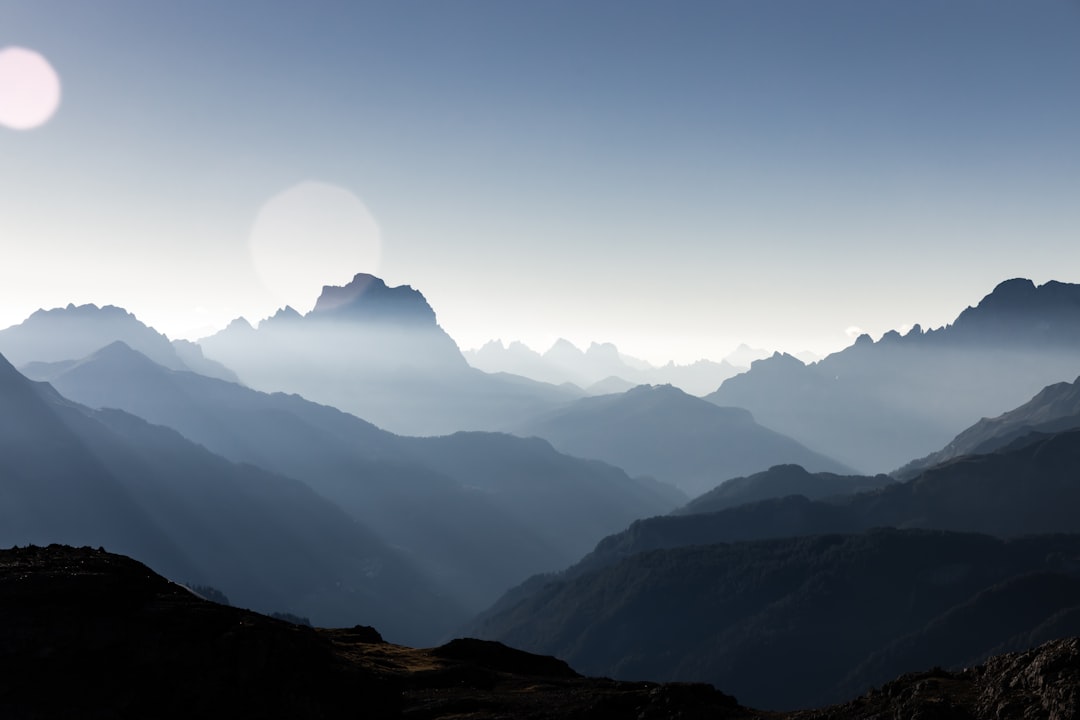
pixel 311 235
pixel 29 89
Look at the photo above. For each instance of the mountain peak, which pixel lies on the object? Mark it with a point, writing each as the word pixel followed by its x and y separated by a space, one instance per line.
pixel 1017 308
pixel 75 331
pixel 564 351
pixel 283 315
pixel 1013 287
pixel 367 297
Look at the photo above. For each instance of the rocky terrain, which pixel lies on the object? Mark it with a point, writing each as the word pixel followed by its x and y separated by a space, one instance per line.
pixel 90 634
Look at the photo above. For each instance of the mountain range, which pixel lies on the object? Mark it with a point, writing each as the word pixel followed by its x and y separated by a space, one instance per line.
pixel 76 331
pixel 106 478
pixel 378 352
pixel 876 405
pixel 694 596
pixel 1055 408
pixel 124 642
pixel 781 481
pixel 478 512
pixel 598 369
pixel 796 622
pixel 665 433
pixel 241 465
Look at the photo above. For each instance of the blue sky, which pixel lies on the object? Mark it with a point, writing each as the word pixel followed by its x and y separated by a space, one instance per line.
pixel 673 177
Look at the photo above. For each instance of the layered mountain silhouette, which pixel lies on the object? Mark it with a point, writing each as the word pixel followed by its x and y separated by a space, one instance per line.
pixel 378 352
pixel 72 332
pixel 781 481
pixel 665 433
pixel 1056 407
pixel 80 476
pixel 875 405
pixel 1030 489
pixel 478 512
pixel 703 605
pixel 799 621
pixel 122 641
pixel 600 368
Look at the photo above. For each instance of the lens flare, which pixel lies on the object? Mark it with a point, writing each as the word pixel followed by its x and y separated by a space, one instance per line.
pixel 29 89
pixel 310 235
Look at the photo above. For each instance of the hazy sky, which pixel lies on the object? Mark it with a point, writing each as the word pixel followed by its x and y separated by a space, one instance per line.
pixel 675 177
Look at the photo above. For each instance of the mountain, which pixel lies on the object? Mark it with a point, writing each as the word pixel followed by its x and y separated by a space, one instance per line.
pixel 876 405
pixel 120 639
pixel 814 611
pixel 667 434
pixel 1056 407
pixel 1029 489
pixel 599 368
pixel 79 476
pixel 72 332
pixel 477 512
pixel 377 352
pixel 777 482
pixel 703 605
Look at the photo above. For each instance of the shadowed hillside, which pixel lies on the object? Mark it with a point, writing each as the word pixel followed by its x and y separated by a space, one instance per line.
pixel 75 475
pixel 795 622
pixel 124 642
pixel 478 512
pixel 777 482
pixel 1055 408
pixel 709 597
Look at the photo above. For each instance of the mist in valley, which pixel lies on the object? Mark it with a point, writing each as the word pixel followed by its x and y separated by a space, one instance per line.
pixel 456 351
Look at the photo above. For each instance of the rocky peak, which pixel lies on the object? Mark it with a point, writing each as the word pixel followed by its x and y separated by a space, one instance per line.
pixel 368 298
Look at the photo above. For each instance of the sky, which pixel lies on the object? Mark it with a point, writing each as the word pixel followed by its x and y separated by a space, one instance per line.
pixel 674 177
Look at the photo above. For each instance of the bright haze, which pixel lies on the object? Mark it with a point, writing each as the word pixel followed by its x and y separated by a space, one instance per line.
pixel 675 178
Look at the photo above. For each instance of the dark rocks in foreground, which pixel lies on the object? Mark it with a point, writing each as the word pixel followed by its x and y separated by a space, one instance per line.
pixel 84 633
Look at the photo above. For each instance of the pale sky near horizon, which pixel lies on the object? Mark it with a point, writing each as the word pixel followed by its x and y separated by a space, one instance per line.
pixel 673 177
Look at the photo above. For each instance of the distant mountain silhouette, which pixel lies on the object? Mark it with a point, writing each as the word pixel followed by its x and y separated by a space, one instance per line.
pixel 672 436
pixel 478 512
pixel 598 368
pixel 73 332
pixel 1056 407
pixel 121 641
pixel 75 475
pixel 777 482
pixel 610 386
pixel 378 352
pixel 875 405
pixel 799 621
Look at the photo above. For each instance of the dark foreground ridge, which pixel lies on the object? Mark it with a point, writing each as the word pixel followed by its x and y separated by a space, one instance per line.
pixel 85 633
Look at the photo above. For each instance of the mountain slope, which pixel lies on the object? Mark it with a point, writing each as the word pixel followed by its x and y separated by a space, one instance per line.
pixel 121 639
pixel 479 512
pixel 742 616
pixel 90 477
pixel 378 352
pixel 672 436
pixel 876 405
pixel 1055 408
pixel 693 595
pixel 777 482
pixel 1027 490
